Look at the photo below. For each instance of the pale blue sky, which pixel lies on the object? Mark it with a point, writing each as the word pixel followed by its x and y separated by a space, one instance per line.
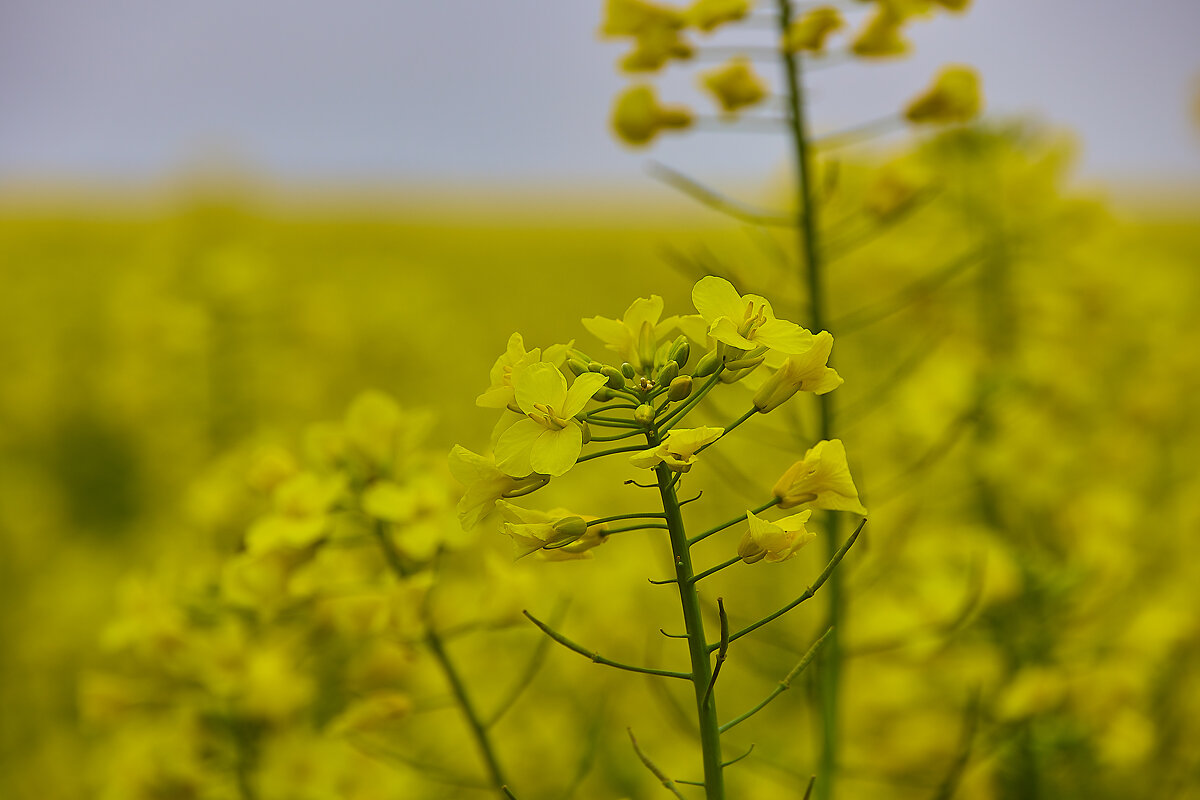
pixel 496 90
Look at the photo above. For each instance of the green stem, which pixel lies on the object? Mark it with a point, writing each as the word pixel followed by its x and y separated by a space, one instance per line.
pixel 783 685
pixel 619 517
pixel 730 427
pixel 706 706
pixel 611 451
pixel 616 437
pixel 828 678
pixel 434 642
pixel 644 526
pixel 599 659
pixel 695 399
pixel 774 501
pixel 717 568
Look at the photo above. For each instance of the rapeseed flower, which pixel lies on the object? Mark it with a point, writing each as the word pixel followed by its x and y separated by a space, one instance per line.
pixel 638 118
pixel 803 372
pixel 485 484
pixel 677 449
pixel 734 85
pixel 634 337
pixel 820 480
pixel 745 322
pixel 707 15
pixel 810 31
pixel 547 439
pixel 953 97
pixel 774 541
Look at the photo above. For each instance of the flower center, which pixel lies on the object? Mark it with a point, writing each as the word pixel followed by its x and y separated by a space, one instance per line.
pixel 754 318
pixel 544 415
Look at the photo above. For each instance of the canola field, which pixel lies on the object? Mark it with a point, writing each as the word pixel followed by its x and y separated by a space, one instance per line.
pixel 229 526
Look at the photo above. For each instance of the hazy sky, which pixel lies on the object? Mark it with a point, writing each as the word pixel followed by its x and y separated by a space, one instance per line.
pixel 502 89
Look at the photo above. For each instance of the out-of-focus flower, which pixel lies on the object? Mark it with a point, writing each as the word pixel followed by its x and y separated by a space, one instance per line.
pixel 372 714
pixel 638 118
pixel 630 17
pixel 820 480
pixel 803 372
pixel 810 31
pixel 707 15
pixel 745 322
pixel 677 450
pixel 774 541
pixel 894 187
pixel 301 511
pixel 953 97
pixel 734 85
pixel 547 439
pixel 881 37
pixel 634 337
pixel 500 393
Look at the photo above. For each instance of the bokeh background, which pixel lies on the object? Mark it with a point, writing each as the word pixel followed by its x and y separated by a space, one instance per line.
pixel 221 223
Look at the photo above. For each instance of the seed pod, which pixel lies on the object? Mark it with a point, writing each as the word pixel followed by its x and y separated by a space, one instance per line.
pixel 707 365
pixel 680 388
pixel 615 379
pixel 643 414
pixel 569 529
pixel 576 366
pixel 628 371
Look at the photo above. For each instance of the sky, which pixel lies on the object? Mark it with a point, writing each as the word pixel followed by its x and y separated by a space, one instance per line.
pixel 511 91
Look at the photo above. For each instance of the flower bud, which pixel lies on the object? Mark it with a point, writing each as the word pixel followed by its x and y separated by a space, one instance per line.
pixel 643 414
pixel 680 352
pixel 668 373
pixel 603 395
pixel 645 346
pixel 743 363
pixel 749 550
pixel 628 371
pixel 707 365
pixel 595 366
pixel 576 366
pixel 680 388
pixel 569 529
pixel 615 379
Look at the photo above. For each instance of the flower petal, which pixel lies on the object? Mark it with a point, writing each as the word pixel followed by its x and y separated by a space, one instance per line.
pixel 715 298
pixel 725 330
pixel 786 337
pixel 540 383
pixel 555 452
pixel 513 446
pixel 643 310
pixel 582 390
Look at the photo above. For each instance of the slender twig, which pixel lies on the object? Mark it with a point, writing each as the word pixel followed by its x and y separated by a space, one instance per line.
pixel 599 659
pixel 523 682
pixel 808 791
pixel 658 773
pixel 683 503
pixel 717 568
pixel 733 761
pixel 619 517
pixel 958 766
pixel 508 793
pixel 612 422
pixel 722 648
pixel 808 593
pixel 859 133
pixel 711 531
pixel 616 437
pixel 663 631
pixel 729 428
pixel 612 451
pixel 449 671
pixel 783 685
pixel 645 526
pixel 718 201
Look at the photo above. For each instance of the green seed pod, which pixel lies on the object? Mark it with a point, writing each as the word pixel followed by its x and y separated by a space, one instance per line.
pixel 707 365
pixel 680 388
pixel 595 366
pixel 668 373
pixel 628 371
pixel 681 351
pixel 615 379
pixel 576 366
pixel 643 414
pixel 569 529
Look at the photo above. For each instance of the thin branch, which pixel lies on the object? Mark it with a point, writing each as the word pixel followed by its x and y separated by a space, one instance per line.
pixel 905 296
pixel 722 650
pixel 702 536
pixel 717 201
pixel 522 683
pixel 662 583
pixel 958 766
pixel 717 568
pixel 808 791
pixel 824 576
pixel 783 685
pixel 663 631
pixel 599 659
pixel 658 773
pixel 619 517
pixel 727 430
pixel 612 451
pixel 699 494
pixel 648 526
pixel 733 761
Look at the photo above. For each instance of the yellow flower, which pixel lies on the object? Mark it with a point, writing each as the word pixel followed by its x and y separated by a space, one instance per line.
pixel 654 47
pixel 810 31
pixel 804 372
pixel 638 118
pixel 547 439
pixel 953 5
pixel 820 480
pixel 486 484
pixel 630 17
pixel 634 337
pixel 552 530
pixel 515 357
pixel 953 97
pixel 373 427
pixel 301 511
pixel 880 37
pixel 735 85
pixel 745 323
pixel 894 187
pixel 677 449
pixel 774 541
pixel 708 14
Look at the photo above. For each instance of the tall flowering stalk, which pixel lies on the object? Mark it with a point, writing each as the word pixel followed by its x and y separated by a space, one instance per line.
pixel 549 428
